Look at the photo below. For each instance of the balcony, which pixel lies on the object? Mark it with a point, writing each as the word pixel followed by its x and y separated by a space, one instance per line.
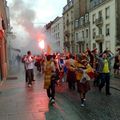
pixel 68 6
pixel 87 23
pixel 80 40
pixel 67 33
pixel 99 38
pixel 67 22
pixel 67 43
pixel 99 21
pixel 72 42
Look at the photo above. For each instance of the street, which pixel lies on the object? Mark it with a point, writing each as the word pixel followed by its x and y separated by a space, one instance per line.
pixel 18 102
pixel 98 106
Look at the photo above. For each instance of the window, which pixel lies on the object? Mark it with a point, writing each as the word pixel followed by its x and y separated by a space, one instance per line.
pixel 86 33
pixel 67 22
pixel 86 18
pixel 81 20
pixel 64 26
pixel 100 30
pixel 58 26
pixel 76 36
pixel 94 45
pixel 52 30
pixel 87 45
pixel 94 18
pixel 58 35
pixel 101 47
pixel 94 33
pixel 71 14
pixel 108 45
pixel 77 48
pixel 107 29
pixel 83 34
pixel 76 23
pixel 100 14
pixel 107 12
pixel 72 23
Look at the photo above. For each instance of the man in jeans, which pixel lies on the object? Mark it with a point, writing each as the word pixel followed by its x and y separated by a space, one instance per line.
pixel 49 78
pixel 105 67
pixel 29 61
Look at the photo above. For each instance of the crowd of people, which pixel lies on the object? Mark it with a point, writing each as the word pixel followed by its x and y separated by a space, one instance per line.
pixel 77 70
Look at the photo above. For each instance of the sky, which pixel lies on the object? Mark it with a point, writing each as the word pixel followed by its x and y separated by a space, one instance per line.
pixel 45 10
pixel 28 17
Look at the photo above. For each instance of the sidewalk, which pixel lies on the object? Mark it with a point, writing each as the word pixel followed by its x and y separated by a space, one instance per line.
pixel 18 102
pixel 115 83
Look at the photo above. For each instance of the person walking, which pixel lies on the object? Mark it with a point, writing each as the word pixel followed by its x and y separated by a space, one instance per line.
pixel 105 61
pixel 116 66
pixel 82 66
pixel 49 79
pixel 71 77
pixel 29 62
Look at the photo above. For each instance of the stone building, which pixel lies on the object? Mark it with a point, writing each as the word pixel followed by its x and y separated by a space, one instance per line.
pixel 82 25
pixel 104 24
pixel 57 34
pixel 4 25
pixel 68 27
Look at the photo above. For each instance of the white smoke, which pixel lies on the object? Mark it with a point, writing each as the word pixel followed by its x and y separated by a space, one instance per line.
pixel 23 17
pixel 22 21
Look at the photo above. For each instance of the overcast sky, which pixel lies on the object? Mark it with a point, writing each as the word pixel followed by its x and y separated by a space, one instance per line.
pixel 45 10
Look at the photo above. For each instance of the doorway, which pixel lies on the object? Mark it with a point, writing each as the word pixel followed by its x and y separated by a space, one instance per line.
pixel 101 47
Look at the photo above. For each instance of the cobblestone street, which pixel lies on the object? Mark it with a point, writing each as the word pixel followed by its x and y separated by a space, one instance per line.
pixel 18 102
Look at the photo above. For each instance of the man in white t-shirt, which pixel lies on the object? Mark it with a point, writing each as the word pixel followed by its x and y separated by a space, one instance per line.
pixel 29 62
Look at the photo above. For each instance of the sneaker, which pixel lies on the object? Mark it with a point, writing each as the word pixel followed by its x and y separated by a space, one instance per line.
pixel 29 85
pixel 82 105
pixel 84 99
pixel 50 98
pixel 53 101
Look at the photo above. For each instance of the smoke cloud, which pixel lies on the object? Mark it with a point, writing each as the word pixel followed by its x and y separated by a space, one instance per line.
pixel 23 17
pixel 22 20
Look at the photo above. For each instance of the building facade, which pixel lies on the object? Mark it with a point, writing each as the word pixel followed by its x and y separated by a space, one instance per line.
pixel 104 24
pixel 57 34
pixel 4 25
pixel 90 23
pixel 68 27
pixel 48 37
pixel 82 25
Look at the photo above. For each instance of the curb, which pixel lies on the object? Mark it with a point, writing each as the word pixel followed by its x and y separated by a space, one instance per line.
pixel 115 88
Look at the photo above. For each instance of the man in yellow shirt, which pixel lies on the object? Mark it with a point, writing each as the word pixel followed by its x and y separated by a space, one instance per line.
pixel 105 71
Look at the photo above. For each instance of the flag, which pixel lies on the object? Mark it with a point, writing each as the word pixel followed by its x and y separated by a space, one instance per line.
pixel 48 49
pixel 90 71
